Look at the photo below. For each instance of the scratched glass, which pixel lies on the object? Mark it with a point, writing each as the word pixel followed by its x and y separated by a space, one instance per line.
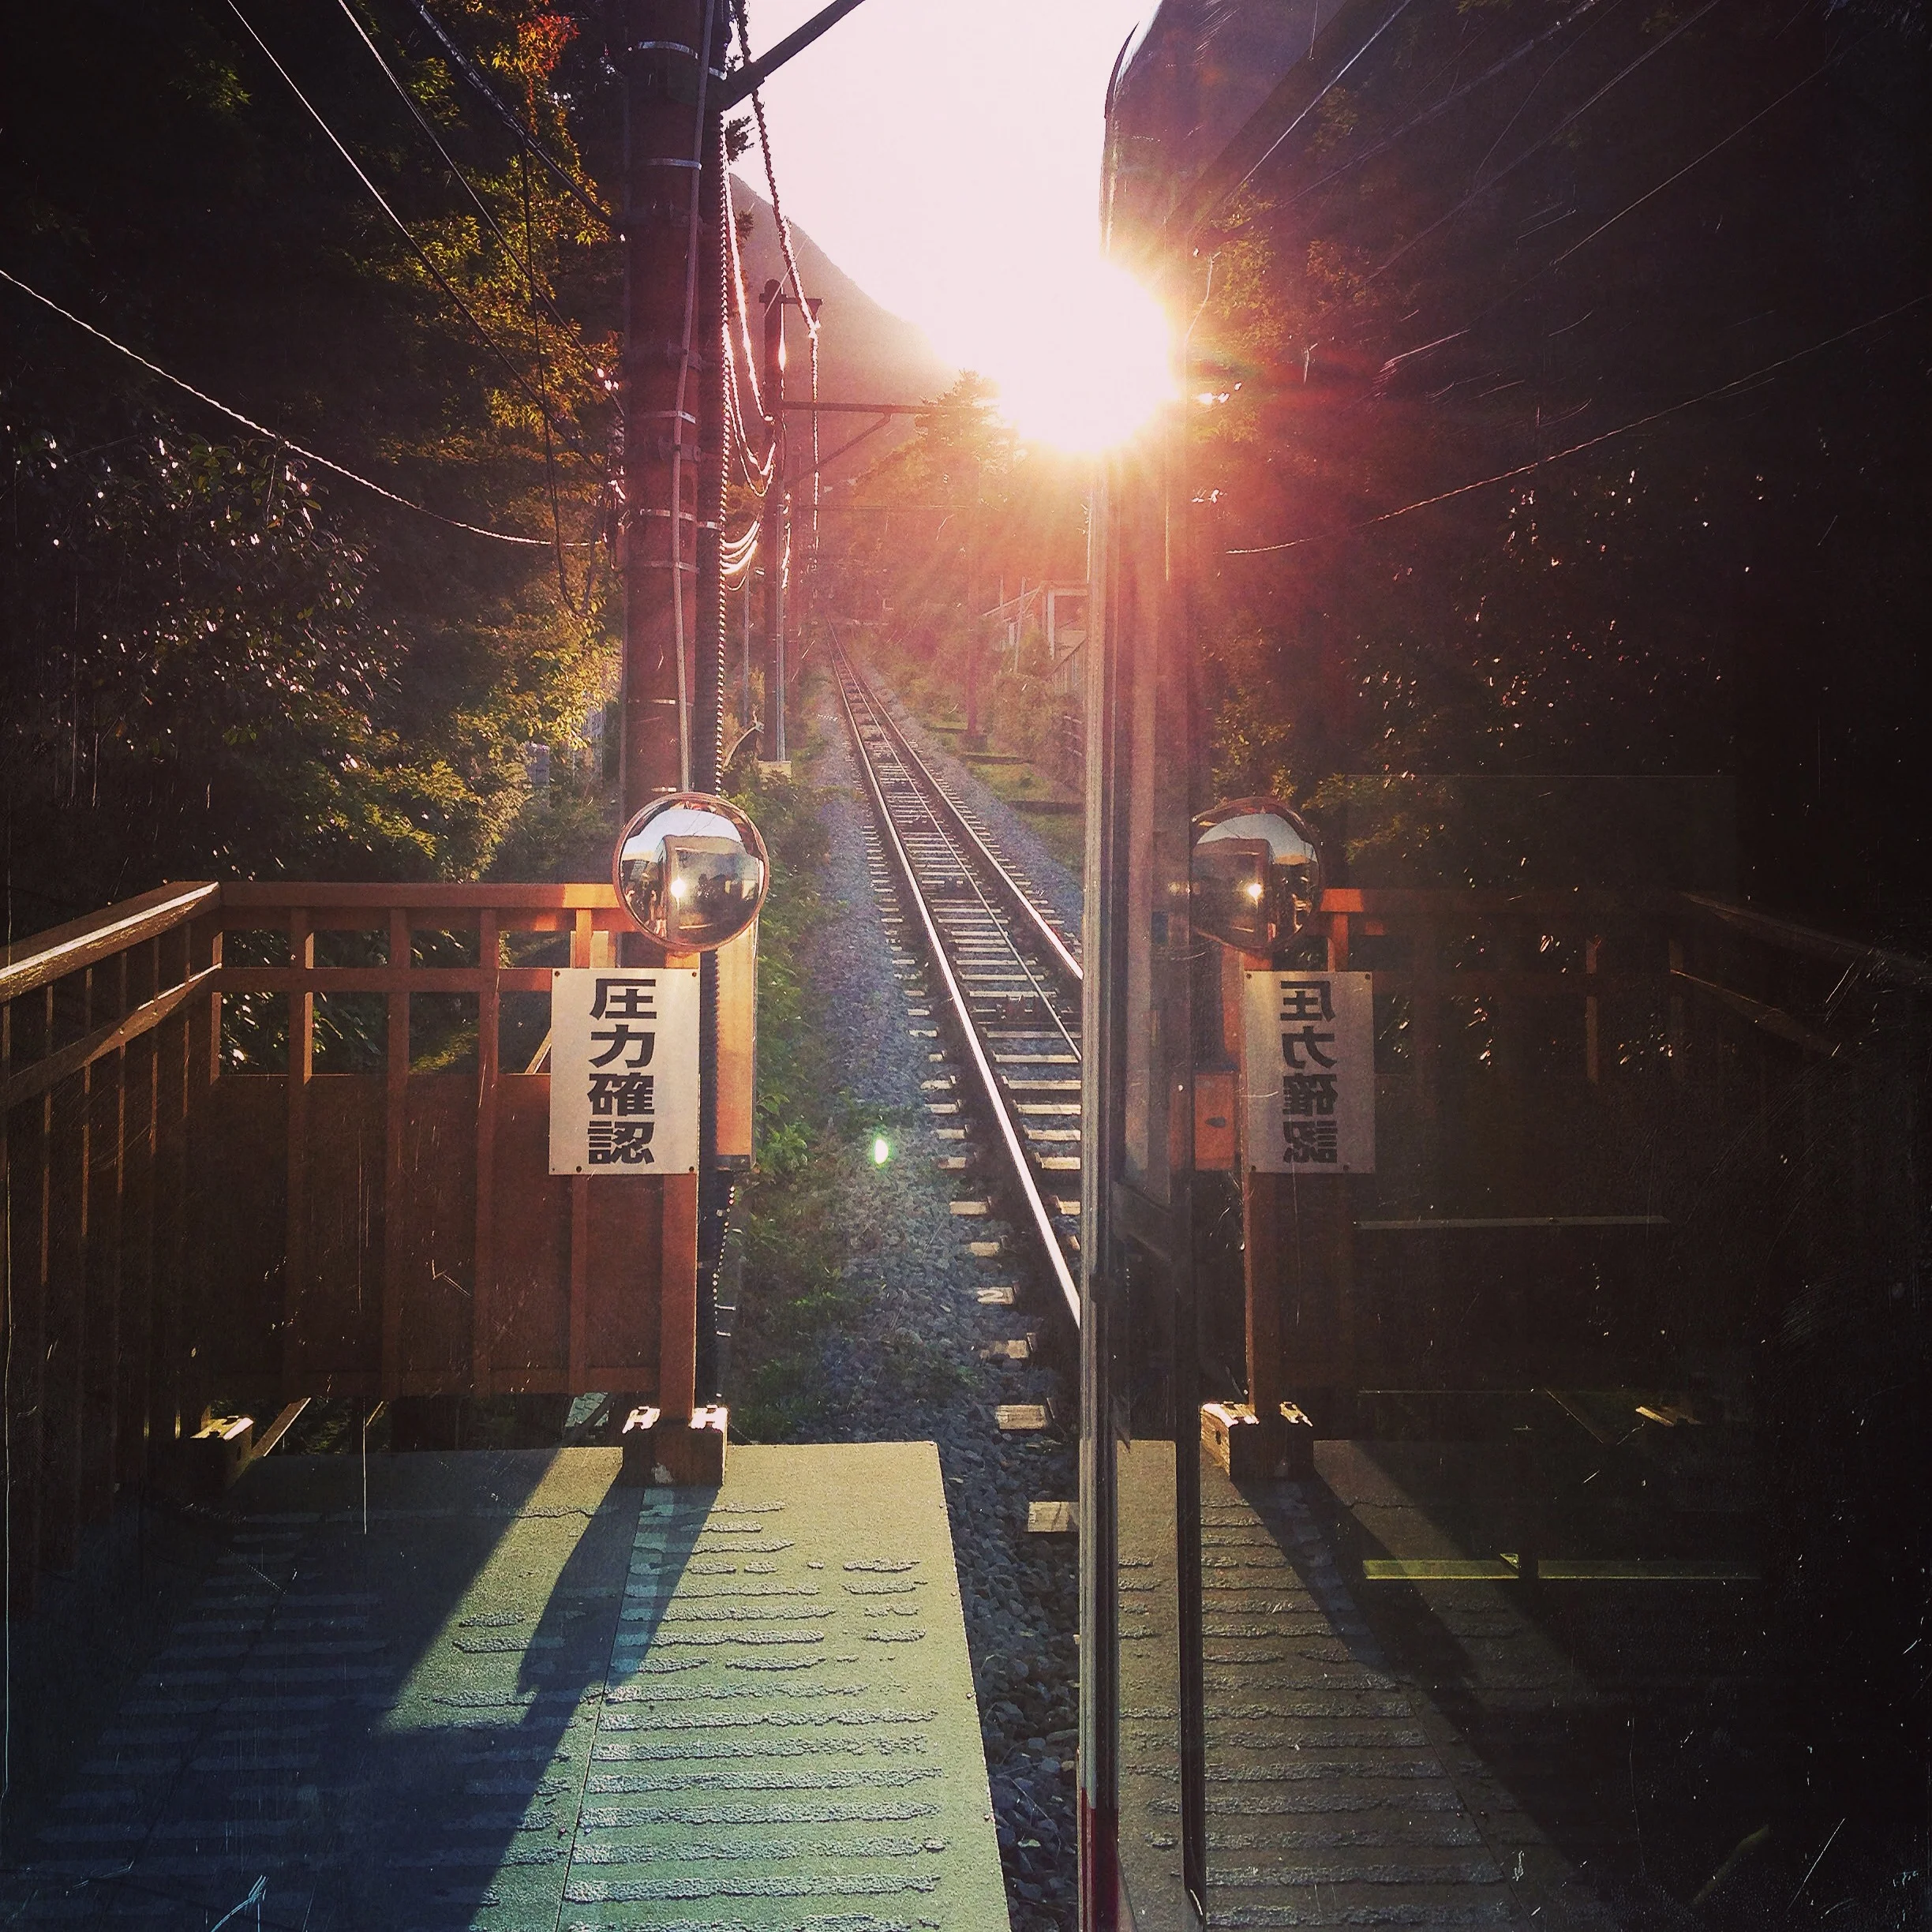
pixel 1538 534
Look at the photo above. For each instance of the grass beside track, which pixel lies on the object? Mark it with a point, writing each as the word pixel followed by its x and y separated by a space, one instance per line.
pixel 794 1216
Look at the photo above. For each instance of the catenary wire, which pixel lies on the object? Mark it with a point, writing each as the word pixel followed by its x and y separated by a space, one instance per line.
pixel 1562 128
pixel 791 262
pixel 758 470
pixel 1509 295
pixel 409 100
pixel 1475 194
pixel 742 309
pixel 1424 116
pixel 1735 386
pixel 472 73
pixel 421 253
pixel 275 436
pixel 526 262
pixel 1503 300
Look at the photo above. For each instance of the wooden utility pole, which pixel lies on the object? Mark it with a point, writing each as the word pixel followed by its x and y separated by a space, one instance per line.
pixel 667 51
pixel 775 537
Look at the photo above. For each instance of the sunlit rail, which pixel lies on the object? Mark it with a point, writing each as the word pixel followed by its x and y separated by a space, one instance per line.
pixel 1008 976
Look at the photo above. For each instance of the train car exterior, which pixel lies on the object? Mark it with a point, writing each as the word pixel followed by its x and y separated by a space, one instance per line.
pixel 1421 1219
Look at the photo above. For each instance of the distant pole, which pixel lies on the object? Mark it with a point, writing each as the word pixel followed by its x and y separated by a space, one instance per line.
pixel 974 592
pixel 808 584
pixel 661 48
pixel 744 710
pixel 772 539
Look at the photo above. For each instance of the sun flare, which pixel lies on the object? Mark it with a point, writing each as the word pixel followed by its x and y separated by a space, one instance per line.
pixel 1081 356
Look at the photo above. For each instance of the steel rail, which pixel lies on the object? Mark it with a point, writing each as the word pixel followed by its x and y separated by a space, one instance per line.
pixel 1010 888
pixel 1011 1139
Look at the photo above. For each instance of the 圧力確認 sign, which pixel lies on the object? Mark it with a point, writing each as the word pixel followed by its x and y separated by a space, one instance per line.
pixel 623 1070
pixel 1309 1061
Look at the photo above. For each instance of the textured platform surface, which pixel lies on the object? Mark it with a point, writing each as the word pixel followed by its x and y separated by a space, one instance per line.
pixel 1337 1794
pixel 516 1696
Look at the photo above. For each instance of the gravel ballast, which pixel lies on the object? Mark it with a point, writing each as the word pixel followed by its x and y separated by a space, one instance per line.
pixel 1012 834
pixel 911 1368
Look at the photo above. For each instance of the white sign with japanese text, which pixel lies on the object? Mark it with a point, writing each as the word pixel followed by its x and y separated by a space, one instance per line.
pixel 1310 1070
pixel 623 1070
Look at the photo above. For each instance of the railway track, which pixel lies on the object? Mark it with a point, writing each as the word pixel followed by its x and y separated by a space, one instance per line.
pixel 1006 979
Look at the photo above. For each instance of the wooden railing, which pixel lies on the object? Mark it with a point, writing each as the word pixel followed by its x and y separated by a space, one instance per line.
pixel 1616 1140
pixel 264 1141
pixel 106 1032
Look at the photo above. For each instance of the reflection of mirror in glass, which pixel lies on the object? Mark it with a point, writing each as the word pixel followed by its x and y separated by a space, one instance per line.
pixel 1257 875
pixel 691 870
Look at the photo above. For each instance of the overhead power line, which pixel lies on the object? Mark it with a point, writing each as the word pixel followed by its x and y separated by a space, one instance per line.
pixel 273 436
pixel 528 141
pixel 410 101
pixel 784 236
pixel 421 254
pixel 538 291
pixel 1536 146
pixel 1736 385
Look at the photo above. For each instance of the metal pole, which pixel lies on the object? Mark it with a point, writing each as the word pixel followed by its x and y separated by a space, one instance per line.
pixel 708 735
pixel 774 539
pixel 972 740
pixel 660 48
pixel 744 710
pixel 740 85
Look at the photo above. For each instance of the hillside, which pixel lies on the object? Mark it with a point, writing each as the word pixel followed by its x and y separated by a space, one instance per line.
pixel 866 353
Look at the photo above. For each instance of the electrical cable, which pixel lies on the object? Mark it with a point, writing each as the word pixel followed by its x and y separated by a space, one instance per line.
pixel 1502 301
pixel 791 262
pixel 473 74
pixel 420 252
pixel 1327 88
pixel 757 470
pixel 741 307
pixel 1562 127
pixel 275 436
pixel 1427 114
pixel 736 553
pixel 1735 386
pixel 1530 281
pixel 1670 180
pixel 675 524
pixel 482 207
pixel 526 262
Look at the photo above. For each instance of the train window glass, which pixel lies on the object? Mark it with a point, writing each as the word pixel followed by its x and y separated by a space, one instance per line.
pixel 1551 1537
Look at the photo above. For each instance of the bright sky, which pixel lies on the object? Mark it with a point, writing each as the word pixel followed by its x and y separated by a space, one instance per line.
pixel 946 154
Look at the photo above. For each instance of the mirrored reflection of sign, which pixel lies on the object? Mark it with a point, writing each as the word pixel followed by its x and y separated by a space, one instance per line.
pixel 1310 1069
pixel 623 1070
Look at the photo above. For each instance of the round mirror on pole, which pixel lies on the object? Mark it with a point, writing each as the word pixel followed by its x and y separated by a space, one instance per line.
pixel 692 871
pixel 1257 875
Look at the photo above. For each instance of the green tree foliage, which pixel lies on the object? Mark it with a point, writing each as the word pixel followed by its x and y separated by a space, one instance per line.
pixel 961 515
pixel 221 659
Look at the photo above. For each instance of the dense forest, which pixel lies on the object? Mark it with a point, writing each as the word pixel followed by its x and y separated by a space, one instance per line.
pixel 1557 407
pixel 922 547
pixel 222 656
pixel 1561 406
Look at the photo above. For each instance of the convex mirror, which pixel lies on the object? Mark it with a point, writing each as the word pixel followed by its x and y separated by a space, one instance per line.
pixel 1257 875
pixel 692 871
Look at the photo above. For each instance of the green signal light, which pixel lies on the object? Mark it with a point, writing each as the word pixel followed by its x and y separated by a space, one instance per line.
pixel 882 1150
